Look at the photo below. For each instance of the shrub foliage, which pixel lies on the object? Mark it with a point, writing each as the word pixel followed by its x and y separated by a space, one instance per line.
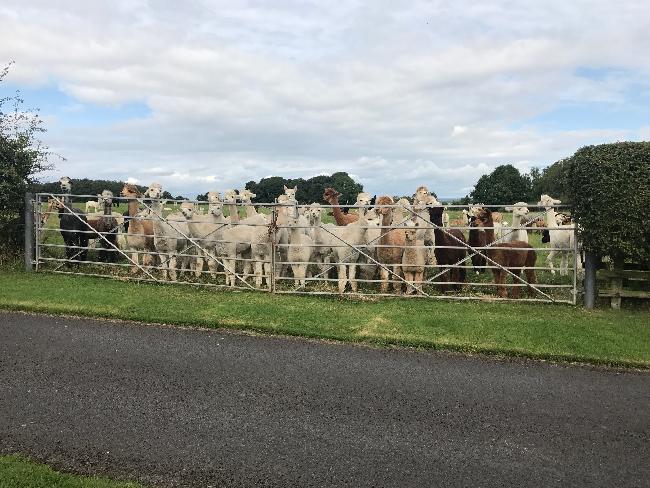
pixel 609 186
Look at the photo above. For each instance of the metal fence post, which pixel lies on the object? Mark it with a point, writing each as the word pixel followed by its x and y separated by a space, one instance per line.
pixel 591 266
pixel 29 231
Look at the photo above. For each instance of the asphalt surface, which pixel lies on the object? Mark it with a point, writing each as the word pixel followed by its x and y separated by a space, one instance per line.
pixel 180 407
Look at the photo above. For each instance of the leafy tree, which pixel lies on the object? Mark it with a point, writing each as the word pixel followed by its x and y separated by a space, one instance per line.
pixel 310 190
pixel 552 180
pixel 609 187
pixel 203 197
pixel 22 157
pixel 505 185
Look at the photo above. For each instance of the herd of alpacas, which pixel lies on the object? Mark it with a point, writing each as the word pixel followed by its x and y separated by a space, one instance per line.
pixel 392 243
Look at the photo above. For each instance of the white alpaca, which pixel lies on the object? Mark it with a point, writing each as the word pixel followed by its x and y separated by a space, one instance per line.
pixel 300 250
pixel 518 231
pixel 169 236
pixel 320 238
pixel 345 256
pixel 561 241
pixel 246 197
pixel 207 230
pixel 95 205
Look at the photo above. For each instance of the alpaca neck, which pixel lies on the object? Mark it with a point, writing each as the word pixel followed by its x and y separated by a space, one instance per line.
pixel 107 208
pixel 250 209
pixel 386 221
pixel 294 234
pixel 489 233
pixel 550 218
pixel 133 207
pixel 339 216
pixel 516 220
pixel 234 213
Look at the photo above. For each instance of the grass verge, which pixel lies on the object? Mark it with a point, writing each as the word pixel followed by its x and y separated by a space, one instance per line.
pixel 19 472
pixel 555 332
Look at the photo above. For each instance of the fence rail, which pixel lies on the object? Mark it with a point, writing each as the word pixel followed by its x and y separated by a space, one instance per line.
pixel 290 248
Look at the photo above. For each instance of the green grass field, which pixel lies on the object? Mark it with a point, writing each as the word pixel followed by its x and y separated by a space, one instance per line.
pixel 19 472
pixel 556 332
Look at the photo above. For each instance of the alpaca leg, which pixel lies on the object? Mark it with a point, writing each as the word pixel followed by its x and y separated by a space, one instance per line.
pixel 549 260
pixel 564 266
pixel 259 271
pixel 164 264
pixel 134 258
pixel 198 268
pixel 397 285
pixel 514 292
pixel 267 272
pixel 352 277
pixel 530 277
pixel 410 278
pixel 384 279
pixel 172 267
pixel 342 277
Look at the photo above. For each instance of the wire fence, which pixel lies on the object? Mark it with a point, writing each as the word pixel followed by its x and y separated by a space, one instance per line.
pixel 283 247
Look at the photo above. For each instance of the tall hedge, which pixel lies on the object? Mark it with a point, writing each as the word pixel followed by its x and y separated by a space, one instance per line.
pixel 609 187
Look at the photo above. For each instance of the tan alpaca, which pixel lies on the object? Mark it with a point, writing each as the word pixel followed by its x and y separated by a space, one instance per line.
pixel 414 256
pixel 139 237
pixel 391 245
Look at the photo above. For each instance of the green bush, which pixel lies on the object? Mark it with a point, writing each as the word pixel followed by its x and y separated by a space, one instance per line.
pixel 609 187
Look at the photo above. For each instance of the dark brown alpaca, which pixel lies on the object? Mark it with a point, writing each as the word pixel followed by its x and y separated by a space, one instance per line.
pixel 518 254
pixel 477 239
pixel 445 256
pixel 331 196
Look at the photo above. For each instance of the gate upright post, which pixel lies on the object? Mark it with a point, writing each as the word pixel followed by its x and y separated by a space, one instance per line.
pixel 29 231
pixel 591 266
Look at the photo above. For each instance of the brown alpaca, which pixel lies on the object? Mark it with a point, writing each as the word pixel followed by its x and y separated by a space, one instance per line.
pixel 391 245
pixel 517 255
pixel 139 228
pixel 331 196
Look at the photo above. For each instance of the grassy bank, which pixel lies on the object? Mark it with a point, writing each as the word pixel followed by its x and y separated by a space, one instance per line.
pixel 538 331
pixel 18 472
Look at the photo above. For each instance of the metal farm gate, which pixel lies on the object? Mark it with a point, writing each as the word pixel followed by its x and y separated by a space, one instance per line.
pixel 264 249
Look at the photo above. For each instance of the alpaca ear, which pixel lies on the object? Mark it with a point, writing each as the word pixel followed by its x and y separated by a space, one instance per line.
pixel 295 188
pixel 285 187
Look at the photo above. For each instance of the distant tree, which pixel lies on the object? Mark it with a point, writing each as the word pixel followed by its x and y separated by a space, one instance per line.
pixel 22 157
pixel 180 197
pixel 310 190
pixel 552 180
pixel 505 185
pixel 203 197
pixel 167 196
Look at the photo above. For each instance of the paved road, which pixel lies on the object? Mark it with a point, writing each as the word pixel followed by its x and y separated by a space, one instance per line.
pixel 177 407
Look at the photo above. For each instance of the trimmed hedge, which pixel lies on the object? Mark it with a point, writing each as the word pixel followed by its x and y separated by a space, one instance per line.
pixel 609 185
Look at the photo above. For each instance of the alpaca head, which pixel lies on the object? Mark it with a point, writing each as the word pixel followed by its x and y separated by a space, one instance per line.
pixel 381 203
pixel 519 209
pixel 246 195
pixel 66 184
pixel 230 197
pixel 105 198
pixel 483 218
pixel 290 192
pixel 130 191
pixel 188 209
pixel 474 209
pixel 314 213
pixel 548 202
pixel 422 194
pixel 363 199
pixel 412 231
pixel 154 191
pixel 331 196
pixel 214 197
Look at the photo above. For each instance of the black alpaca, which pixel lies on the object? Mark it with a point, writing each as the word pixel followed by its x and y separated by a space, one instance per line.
pixel 446 256
pixel 73 227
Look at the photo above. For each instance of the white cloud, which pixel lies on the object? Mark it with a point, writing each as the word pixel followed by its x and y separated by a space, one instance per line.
pixel 301 88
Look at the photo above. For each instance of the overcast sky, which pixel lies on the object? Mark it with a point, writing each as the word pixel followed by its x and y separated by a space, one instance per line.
pixel 202 95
